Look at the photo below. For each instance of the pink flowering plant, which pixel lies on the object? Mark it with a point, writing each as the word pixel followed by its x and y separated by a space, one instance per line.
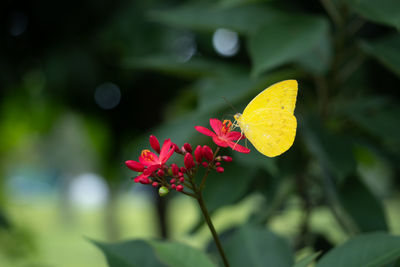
pixel 155 170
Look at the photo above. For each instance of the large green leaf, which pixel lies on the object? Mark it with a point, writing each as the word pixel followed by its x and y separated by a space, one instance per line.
pixel 382 11
pixel 180 255
pixel 386 51
pixel 257 247
pixel 367 250
pixel 243 19
pixel 355 196
pixel 136 253
pixel 285 39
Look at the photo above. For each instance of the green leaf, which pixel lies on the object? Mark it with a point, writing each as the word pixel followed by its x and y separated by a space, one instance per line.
pixel 382 123
pixel 386 51
pixel 355 196
pixel 367 250
pixel 333 150
pixel 228 187
pixel 134 253
pixel 383 11
pixel 243 19
pixel 285 39
pixel 318 59
pixel 306 261
pixel 257 247
pixel 180 255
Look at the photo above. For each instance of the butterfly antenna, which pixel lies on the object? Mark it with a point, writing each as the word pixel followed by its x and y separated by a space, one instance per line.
pixel 230 104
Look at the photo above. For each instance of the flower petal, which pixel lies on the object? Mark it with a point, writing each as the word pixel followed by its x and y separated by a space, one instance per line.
pixel 238 147
pixel 151 169
pixel 134 165
pixel 219 142
pixel 168 155
pixel 234 136
pixel 166 149
pixel 204 130
pixel 216 125
pixel 148 158
pixel 154 143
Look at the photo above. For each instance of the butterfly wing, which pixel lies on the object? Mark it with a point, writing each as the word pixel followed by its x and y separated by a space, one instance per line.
pixel 268 121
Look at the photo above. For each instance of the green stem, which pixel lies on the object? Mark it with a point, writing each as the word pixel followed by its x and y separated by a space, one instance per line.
pixel 211 226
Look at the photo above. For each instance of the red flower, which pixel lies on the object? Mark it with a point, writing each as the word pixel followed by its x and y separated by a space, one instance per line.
pixel 152 161
pixel 149 162
pixel 223 135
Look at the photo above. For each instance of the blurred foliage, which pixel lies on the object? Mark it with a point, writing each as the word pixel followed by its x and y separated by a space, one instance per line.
pixel 162 56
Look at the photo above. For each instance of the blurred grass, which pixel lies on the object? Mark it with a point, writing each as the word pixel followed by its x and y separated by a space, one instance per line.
pixel 63 243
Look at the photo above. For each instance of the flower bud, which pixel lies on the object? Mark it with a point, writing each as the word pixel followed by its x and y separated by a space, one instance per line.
pixel 183 170
pixel 179 188
pixel 188 160
pixel 218 164
pixel 134 165
pixel 173 186
pixel 181 179
pixel 220 169
pixel 175 169
pixel 144 180
pixel 207 153
pixel 187 147
pixel 198 154
pixel 227 158
pixel 172 181
pixel 218 158
pixel 154 143
pixel 177 149
pixel 154 184
pixel 163 191
pixel 160 173
pixel 205 164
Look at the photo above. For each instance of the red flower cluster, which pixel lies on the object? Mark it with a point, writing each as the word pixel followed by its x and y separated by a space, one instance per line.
pixel 153 167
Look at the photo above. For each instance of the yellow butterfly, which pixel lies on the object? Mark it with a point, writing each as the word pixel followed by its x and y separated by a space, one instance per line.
pixel 268 121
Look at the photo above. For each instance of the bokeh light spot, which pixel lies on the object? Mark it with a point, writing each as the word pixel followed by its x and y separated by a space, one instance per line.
pixel 88 191
pixel 107 95
pixel 226 42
